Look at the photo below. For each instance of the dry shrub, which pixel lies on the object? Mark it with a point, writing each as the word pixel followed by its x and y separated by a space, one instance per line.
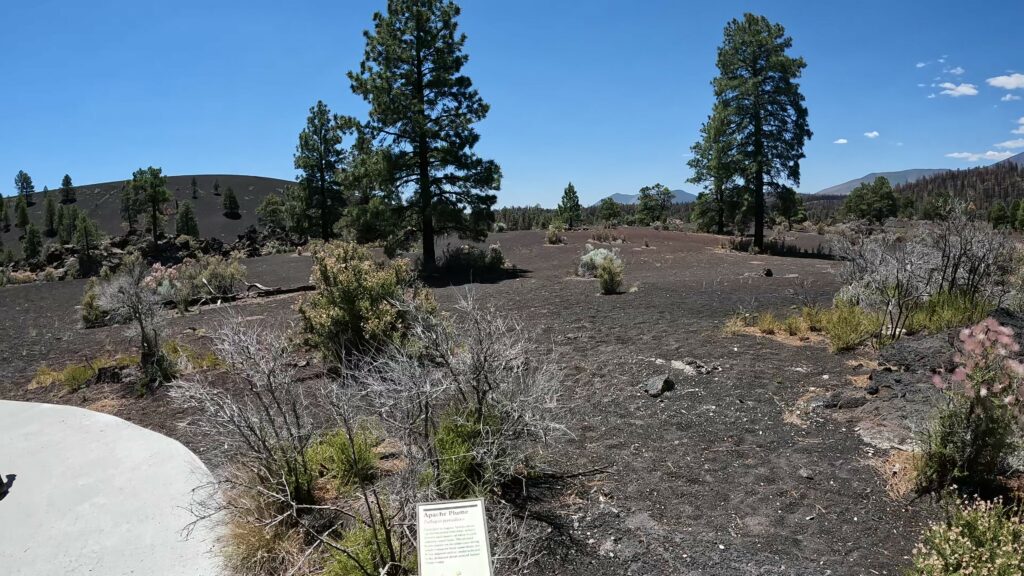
pixel 358 304
pixel 554 235
pixel 979 538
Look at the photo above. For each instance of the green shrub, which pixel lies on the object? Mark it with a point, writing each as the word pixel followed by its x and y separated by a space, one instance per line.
pixel 92 315
pixel 848 326
pixel 980 538
pixel 455 442
pixel 358 302
pixel 947 310
pixel 364 554
pixel 348 462
pixel 964 447
pixel 814 317
pixel 609 275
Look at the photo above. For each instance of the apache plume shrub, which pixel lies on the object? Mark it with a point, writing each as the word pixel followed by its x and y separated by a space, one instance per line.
pixel 609 275
pixel 971 439
pixel 358 304
pixel 979 538
pixel 592 259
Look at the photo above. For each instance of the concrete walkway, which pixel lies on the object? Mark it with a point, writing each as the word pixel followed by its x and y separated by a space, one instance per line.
pixel 94 494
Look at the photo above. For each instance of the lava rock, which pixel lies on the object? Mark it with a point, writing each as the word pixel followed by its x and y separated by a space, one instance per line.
pixel 767 272
pixel 658 385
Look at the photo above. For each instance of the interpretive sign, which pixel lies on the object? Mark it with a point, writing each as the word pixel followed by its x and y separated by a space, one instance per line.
pixel 453 539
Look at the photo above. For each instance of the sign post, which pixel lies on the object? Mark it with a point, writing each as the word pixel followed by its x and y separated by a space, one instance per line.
pixel 453 539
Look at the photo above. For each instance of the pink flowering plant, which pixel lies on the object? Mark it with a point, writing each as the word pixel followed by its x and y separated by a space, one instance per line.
pixel 969 443
pixel 987 371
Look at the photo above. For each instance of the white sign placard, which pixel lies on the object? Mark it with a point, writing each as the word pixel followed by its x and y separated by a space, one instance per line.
pixel 453 539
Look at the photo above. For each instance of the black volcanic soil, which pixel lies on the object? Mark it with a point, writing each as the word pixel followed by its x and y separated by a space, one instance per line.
pixel 728 474
pixel 103 203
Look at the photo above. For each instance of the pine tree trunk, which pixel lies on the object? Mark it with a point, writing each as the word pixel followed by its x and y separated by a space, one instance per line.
pixel 425 197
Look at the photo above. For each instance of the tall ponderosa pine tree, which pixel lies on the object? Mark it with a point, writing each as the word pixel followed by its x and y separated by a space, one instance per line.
pixel 23 184
pixel 131 205
pixel 5 216
pixel 757 90
pixel 216 187
pixel 321 158
pixel 230 204
pixel 67 191
pixel 185 224
pixel 423 109
pixel 998 216
pixel 569 210
pixel 195 188
pixel 21 213
pixel 712 165
pixel 150 188
pixel 32 244
pixel 50 217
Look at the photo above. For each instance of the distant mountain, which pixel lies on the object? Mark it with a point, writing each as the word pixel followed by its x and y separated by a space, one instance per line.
pixel 895 178
pixel 681 197
pixel 1018 160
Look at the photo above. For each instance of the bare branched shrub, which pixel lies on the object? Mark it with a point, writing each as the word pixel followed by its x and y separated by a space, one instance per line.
pixel 484 382
pixel 264 422
pixel 126 300
pixel 897 273
pixel 472 406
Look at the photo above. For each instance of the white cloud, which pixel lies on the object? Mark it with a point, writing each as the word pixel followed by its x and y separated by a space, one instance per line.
pixel 1020 126
pixel 921 64
pixel 841 141
pixel 1009 98
pixel 1018 143
pixel 872 134
pixel 956 71
pixel 942 60
pixel 921 85
pixel 931 95
pixel 975 157
pixel 957 90
pixel 1009 82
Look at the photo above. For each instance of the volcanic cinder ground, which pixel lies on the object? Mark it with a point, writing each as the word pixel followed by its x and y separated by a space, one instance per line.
pixel 730 473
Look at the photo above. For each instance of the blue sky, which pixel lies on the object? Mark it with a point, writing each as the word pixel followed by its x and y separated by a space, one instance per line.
pixel 607 94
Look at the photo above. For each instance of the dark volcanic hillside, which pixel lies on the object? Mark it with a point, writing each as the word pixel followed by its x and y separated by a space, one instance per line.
pixel 103 203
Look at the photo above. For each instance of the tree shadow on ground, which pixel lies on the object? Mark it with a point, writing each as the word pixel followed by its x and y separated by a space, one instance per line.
pixel 444 279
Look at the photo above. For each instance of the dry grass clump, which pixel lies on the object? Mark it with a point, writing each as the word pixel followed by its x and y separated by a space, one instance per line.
pixel 899 468
pixel 609 275
pixel 74 377
pixel 848 326
pixel 794 326
pixel 768 324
